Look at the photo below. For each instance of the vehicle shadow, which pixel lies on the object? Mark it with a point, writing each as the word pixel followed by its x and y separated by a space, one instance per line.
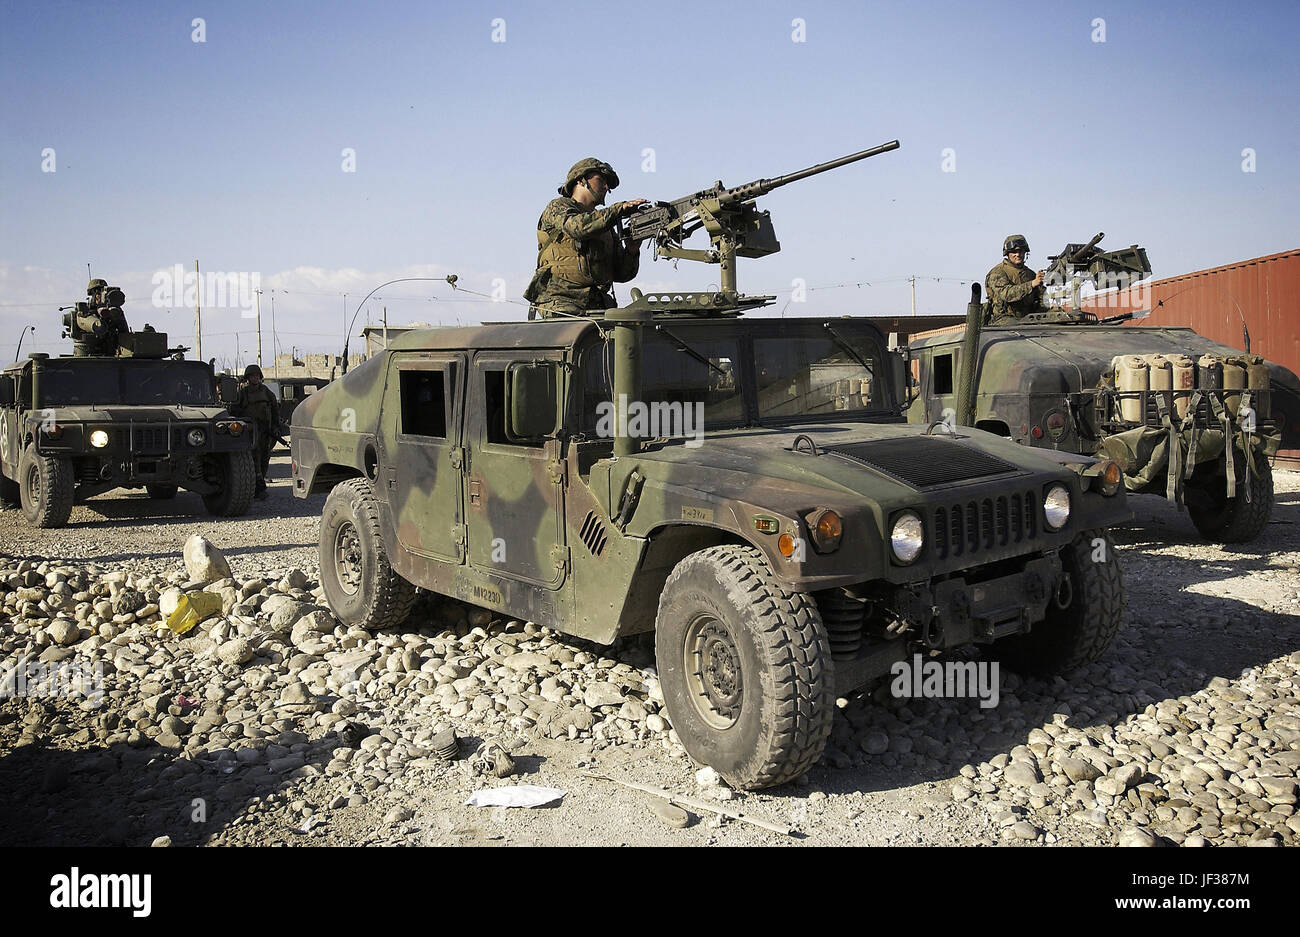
pixel 119 795
pixel 1193 640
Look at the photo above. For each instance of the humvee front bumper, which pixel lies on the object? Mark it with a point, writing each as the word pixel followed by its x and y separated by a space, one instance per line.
pixel 943 614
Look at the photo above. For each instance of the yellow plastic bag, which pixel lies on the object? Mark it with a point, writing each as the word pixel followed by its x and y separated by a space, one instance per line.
pixel 192 609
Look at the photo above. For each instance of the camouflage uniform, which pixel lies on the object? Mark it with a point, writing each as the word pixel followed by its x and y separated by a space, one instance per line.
pixel 579 258
pixel 258 403
pixel 1010 294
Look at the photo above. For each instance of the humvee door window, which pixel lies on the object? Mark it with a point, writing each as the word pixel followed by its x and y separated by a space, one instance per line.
pixel 943 374
pixel 494 405
pixel 814 375
pixel 286 392
pixel 424 403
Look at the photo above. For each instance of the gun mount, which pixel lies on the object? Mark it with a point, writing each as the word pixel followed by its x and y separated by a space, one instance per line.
pixel 736 228
pixel 1106 269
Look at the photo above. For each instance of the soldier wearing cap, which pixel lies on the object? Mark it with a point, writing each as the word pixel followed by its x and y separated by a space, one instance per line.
pixel 579 254
pixel 1013 289
pixel 256 402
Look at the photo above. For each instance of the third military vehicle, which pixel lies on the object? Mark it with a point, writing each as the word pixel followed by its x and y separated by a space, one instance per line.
pixel 118 413
pixel 1185 417
pixel 744 487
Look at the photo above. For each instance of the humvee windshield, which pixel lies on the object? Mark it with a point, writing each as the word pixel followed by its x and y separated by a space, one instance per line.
pixel 789 370
pixel 67 382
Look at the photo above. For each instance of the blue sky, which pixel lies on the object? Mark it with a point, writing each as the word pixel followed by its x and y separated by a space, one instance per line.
pixel 231 150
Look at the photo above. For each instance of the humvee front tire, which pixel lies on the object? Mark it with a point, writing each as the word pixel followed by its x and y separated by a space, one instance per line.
pixel 46 487
pixel 745 668
pixel 1232 520
pixel 1081 631
pixel 161 492
pixel 360 584
pixel 237 474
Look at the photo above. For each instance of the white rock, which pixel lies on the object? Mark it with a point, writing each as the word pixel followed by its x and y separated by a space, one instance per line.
pixel 203 561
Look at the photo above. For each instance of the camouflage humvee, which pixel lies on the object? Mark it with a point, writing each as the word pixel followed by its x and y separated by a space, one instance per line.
pixel 1185 417
pixel 78 425
pixel 745 488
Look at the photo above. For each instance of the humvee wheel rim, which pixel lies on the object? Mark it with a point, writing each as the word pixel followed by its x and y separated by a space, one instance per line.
pixel 713 672
pixel 347 557
pixel 34 483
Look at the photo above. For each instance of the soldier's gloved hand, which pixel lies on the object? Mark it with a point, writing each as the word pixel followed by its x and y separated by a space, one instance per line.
pixel 626 208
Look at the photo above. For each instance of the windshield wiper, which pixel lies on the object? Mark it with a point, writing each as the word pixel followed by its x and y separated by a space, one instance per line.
pixel 840 340
pixel 689 350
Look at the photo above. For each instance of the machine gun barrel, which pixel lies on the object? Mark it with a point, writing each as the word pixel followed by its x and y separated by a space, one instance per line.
pixel 752 190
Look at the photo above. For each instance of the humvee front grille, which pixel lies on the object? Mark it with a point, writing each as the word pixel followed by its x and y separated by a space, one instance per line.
pixel 150 439
pixel 972 527
pixel 593 534
pixel 924 461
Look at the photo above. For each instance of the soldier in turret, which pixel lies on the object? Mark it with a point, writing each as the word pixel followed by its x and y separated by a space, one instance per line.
pixel 107 320
pixel 257 402
pixel 1013 290
pixel 579 254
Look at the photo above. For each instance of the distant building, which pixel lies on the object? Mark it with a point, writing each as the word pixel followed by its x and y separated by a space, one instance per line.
pixel 325 367
pixel 375 335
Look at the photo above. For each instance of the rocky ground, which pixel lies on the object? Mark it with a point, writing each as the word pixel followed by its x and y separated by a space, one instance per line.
pixel 271 723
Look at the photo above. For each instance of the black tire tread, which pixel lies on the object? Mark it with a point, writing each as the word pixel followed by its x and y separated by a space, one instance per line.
pixel 1236 520
pixel 796 640
pixel 1055 646
pixel 237 493
pixel 394 595
pixel 57 481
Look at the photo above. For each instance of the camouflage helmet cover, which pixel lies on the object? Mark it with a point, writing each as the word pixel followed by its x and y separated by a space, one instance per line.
pixel 96 284
pixel 585 167
pixel 1015 242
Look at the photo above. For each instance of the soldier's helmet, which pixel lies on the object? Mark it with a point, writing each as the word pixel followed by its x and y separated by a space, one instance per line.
pixel 252 371
pixel 585 167
pixel 96 284
pixel 1015 242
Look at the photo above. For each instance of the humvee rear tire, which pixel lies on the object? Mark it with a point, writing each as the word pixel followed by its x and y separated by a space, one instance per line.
pixel 161 492
pixel 10 496
pixel 745 668
pixel 1231 520
pixel 360 584
pixel 237 476
pixel 1080 632
pixel 47 485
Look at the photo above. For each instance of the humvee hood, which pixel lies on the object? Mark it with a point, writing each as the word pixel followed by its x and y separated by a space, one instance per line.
pixel 128 414
pixel 898 456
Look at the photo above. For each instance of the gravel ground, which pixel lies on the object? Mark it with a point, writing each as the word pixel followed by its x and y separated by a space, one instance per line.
pixel 270 723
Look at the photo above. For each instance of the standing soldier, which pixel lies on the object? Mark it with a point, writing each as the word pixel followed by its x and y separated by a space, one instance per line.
pixel 579 254
pixel 1013 289
pixel 256 402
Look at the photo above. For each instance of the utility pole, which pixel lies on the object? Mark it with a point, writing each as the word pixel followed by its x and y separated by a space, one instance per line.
pixel 385 328
pixel 198 319
pixel 274 345
pixel 912 280
pixel 258 304
pixel 345 322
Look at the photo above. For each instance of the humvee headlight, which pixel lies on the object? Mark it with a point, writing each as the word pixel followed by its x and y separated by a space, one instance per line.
pixel 907 537
pixel 825 528
pixel 99 439
pixel 1056 506
pixel 1110 478
pixel 196 437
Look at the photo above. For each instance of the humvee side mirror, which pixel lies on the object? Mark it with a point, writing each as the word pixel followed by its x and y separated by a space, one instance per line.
pixel 532 394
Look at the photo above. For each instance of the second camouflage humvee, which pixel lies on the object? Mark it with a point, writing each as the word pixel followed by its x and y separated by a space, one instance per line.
pixel 746 488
